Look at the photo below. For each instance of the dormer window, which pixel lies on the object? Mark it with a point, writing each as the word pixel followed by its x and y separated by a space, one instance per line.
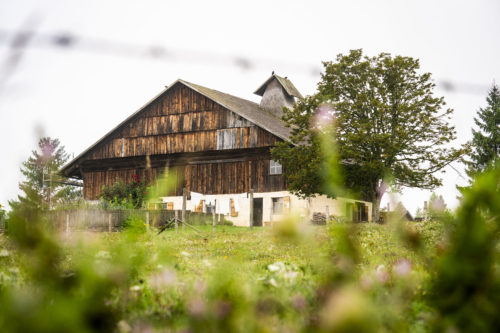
pixel 275 168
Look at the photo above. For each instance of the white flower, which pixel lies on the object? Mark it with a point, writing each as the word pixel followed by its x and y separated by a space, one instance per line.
pixel 103 255
pixel 123 326
pixel 290 275
pixel 135 288
pixel 277 266
pixel 4 253
pixel 273 282
pixel 185 254
pixel 207 263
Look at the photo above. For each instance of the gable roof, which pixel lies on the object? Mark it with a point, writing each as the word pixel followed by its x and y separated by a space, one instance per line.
pixel 246 109
pixel 284 82
pixel 242 107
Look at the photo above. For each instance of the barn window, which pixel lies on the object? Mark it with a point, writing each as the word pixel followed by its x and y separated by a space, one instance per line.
pixel 277 206
pixel 275 169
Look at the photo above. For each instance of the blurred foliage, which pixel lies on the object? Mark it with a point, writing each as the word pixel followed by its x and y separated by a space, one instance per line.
pixel 401 276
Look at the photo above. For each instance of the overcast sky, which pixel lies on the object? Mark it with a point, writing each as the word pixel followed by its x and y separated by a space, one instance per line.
pixel 114 56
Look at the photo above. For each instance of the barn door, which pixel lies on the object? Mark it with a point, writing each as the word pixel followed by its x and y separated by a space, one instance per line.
pixel 257 212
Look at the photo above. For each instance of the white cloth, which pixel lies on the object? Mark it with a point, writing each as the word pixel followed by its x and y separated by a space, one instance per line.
pixel 195 199
pixel 210 200
pixel 224 206
pixel 236 204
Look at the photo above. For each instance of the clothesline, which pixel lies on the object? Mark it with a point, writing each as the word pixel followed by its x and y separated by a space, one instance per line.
pixel 222 204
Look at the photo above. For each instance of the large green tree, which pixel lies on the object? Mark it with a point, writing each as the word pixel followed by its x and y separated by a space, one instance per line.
pixel 390 129
pixel 485 147
pixel 43 187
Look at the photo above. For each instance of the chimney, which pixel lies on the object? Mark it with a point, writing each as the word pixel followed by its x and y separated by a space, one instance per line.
pixel 277 92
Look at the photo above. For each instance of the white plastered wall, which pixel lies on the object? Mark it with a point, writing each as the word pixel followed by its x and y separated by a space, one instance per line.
pixel 336 207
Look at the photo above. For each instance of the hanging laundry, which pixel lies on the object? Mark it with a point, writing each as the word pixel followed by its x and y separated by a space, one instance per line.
pixel 224 204
pixel 195 199
pixel 210 200
pixel 236 201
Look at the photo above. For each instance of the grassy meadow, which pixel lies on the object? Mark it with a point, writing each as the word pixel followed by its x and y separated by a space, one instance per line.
pixel 366 277
pixel 441 275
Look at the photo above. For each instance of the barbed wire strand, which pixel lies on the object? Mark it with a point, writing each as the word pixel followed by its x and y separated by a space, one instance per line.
pixel 28 38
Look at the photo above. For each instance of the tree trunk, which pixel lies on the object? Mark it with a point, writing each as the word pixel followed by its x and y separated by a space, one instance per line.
pixel 380 189
pixel 376 208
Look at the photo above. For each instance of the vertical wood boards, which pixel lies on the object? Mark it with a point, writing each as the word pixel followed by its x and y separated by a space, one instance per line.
pixel 206 178
pixel 184 121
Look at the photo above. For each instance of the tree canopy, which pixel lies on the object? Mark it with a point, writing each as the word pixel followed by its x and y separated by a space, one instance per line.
pixel 485 147
pixel 43 187
pixel 390 129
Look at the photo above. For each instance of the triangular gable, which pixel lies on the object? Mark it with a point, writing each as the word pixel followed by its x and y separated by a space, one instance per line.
pixel 284 82
pixel 244 108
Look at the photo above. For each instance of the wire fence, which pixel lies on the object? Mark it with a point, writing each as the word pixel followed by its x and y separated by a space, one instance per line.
pixel 112 220
pixel 27 37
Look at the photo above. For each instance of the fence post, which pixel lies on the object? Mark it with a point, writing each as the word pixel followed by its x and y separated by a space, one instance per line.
pixel 184 199
pixel 213 219
pixel 327 214
pixel 176 218
pixel 109 223
pixel 147 220
pixel 67 222
pixel 271 220
pixel 251 209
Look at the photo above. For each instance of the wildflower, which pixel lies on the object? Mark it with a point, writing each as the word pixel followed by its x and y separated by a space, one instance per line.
pixel 185 254
pixel 135 288
pixel 402 267
pixel 123 326
pixel 277 266
pixel 103 255
pixel 290 275
pixel 299 302
pixel 163 279
pixel 196 307
pixel 4 253
pixel 382 274
pixel 366 282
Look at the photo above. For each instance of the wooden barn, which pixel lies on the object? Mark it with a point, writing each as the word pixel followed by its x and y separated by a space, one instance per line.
pixel 217 146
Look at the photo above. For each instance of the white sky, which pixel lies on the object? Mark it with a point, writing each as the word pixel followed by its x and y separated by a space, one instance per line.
pixel 78 95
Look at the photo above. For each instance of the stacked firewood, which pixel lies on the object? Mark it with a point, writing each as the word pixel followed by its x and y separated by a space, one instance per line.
pixel 319 219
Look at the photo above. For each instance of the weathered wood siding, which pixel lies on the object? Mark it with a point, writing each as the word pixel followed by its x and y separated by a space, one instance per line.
pixel 232 177
pixel 206 178
pixel 182 121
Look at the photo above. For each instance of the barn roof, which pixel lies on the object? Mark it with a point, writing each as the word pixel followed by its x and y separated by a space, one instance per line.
pixel 284 82
pixel 244 108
